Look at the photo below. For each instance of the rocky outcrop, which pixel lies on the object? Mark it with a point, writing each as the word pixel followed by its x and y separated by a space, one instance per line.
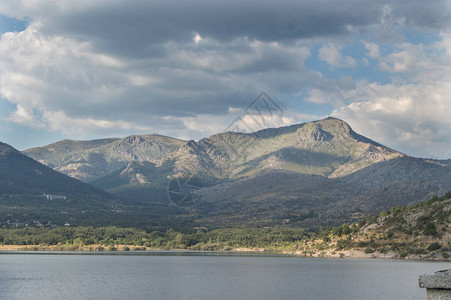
pixel 90 160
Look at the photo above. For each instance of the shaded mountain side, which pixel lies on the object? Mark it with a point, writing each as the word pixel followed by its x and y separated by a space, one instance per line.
pixel 402 169
pixel 138 182
pixel 285 198
pixel 270 198
pixel 90 160
pixel 20 174
pixel 375 200
pixel 23 181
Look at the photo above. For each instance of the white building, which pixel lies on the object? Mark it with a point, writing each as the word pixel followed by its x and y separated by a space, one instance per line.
pixel 54 197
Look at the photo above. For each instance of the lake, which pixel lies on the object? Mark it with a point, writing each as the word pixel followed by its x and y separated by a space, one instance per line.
pixel 176 275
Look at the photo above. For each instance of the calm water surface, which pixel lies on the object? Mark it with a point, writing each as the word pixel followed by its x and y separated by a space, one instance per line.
pixel 204 276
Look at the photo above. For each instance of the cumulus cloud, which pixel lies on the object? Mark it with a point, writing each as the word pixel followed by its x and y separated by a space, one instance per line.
pixel 121 67
pixel 332 55
pixel 413 118
pixel 373 49
pixel 411 114
pixel 405 60
pixel 45 75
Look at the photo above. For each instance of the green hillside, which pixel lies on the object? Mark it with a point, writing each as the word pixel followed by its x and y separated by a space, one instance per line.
pixel 421 231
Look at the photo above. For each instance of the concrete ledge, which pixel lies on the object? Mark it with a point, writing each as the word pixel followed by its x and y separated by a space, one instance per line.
pixel 438 285
pixel 437 280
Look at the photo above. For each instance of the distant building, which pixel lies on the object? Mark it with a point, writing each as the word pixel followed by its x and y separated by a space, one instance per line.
pixel 54 197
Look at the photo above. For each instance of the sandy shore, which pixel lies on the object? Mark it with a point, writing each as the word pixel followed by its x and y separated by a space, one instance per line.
pixel 353 253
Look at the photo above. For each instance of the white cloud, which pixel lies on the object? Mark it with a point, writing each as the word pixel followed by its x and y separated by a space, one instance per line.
pixel 373 49
pixel 51 77
pixel 46 73
pixel 412 114
pixel 409 57
pixel 25 116
pixel 78 127
pixel 331 54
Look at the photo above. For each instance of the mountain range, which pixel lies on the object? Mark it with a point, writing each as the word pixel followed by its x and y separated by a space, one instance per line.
pixel 310 174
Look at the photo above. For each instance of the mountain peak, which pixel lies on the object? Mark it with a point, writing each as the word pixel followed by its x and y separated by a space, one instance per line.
pixel 6 149
pixel 333 122
pixel 329 123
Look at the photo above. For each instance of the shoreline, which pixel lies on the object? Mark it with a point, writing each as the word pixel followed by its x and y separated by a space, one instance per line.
pixel 123 249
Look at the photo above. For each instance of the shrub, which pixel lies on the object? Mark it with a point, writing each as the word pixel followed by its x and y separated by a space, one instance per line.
pixel 396 210
pixel 346 229
pixel 362 244
pixel 383 250
pixel 434 246
pixel 343 244
pixel 337 231
pixel 418 251
pixel 368 250
pixel 384 213
pixel 429 229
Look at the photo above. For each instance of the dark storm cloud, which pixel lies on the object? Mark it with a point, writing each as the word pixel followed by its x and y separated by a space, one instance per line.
pixel 139 28
pixel 433 14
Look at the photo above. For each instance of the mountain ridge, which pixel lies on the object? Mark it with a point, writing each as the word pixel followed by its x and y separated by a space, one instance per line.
pixel 266 148
pixel 326 166
pixel 103 157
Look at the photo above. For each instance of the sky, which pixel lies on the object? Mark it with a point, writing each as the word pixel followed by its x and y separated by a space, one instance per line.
pixel 95 68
